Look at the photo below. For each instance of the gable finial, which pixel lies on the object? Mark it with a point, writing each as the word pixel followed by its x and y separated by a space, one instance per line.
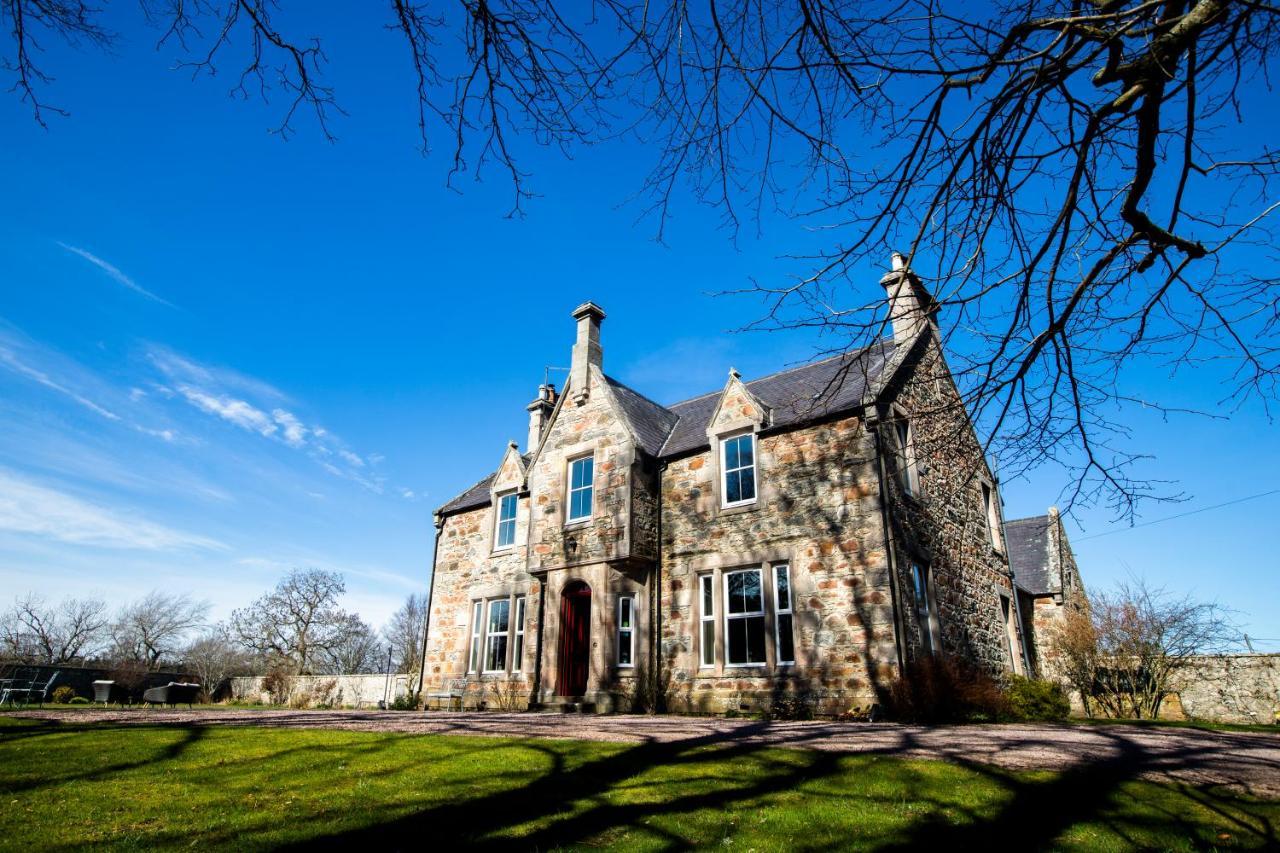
pixel 734 374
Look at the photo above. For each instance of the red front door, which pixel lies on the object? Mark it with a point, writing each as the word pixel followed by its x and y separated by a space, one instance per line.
pixel 575 640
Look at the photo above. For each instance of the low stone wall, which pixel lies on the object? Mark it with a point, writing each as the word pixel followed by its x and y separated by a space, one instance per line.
pixel 333 691
pixel 1232 688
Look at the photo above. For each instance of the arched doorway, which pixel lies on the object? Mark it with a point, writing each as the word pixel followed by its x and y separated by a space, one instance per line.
pixel 574 660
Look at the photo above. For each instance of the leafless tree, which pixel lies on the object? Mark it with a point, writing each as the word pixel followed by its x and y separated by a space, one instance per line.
pixel 404 633
pixel 360 650
pixel 38 632
pixel 1088 185
pixel 153 629
pixel 1127 653
pixel 213 658
pixel 298 623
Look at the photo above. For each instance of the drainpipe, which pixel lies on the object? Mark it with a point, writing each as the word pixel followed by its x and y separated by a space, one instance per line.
pixel 889 549
pixel 431 600
pixel 535 694
pixel 655 597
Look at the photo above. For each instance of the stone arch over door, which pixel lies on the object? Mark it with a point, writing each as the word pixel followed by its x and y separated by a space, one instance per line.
pixel 574 646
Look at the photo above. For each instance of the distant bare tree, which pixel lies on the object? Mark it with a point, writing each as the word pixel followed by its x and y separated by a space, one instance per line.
pixel 360 650
pixel 404 633
pixel 49 634
pixel 1087 184
pixel 213 658
pixel 298 623
pixel 1128 652
pixel 154 628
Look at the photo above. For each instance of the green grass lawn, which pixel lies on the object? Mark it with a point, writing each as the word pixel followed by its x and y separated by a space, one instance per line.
pixel 65 785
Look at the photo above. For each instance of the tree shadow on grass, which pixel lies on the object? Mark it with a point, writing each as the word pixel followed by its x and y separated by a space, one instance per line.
pixel 169 752
pixel 593 802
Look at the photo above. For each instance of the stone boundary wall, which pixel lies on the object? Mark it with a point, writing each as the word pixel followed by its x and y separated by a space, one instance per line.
pixel 338 691
pixel 1243 688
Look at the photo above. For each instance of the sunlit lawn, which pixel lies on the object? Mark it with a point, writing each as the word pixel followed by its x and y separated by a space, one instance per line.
pixel 253 787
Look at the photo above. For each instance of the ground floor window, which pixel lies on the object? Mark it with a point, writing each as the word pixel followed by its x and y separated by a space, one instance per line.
pixel 926 614
pixel 744 629
pixel 626 631
pixel 497 639
pixel 783 629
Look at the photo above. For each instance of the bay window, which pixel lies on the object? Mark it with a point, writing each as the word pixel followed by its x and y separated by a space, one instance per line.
pixel 784 636
pixel 626 631
pixel 707 620
pixel 744 618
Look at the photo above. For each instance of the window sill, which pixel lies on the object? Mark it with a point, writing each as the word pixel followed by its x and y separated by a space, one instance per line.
pixel 504 550
pixel 735 509
pixel 577 522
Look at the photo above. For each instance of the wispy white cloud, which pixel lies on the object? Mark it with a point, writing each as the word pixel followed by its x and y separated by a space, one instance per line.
pixel 295 434
pixel 239 412
pixel 10 360
pixel 114 273
pixel 351 458
pixel 29 508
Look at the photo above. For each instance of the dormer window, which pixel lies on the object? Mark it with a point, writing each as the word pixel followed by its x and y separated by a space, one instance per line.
pixel 581 479
pixel 506 532
pixel 738 467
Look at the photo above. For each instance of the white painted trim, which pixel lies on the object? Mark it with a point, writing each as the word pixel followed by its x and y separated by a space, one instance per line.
pixel 709 580
pixel 631 631
pixel 569 490
pixel 724 471
pixel 789 610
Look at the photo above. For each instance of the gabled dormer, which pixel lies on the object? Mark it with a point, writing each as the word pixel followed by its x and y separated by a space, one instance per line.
pixel 507 492
pixel 738 417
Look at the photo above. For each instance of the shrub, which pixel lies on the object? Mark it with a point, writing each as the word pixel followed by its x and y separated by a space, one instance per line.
pixel 1036 701
pixel 943 690
pixel 77 700
pixel 277 684
pixel 63 695
pixel 404 702
pixel 791 705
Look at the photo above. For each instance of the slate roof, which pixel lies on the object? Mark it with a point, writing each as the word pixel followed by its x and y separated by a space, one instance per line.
pixel 795 396
pixel 1028 542
pixel 477 495
pixel 650 422
pixel 801 394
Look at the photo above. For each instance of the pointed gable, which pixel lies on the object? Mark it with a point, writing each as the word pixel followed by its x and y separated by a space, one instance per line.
pixel 737 408
pixel 511 473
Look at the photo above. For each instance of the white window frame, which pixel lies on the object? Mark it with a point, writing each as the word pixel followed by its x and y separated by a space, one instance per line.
pixel 474 659
pixel 628 601
pixel 517 647
pixel 926 616
pixel 499 521
pixel 706 651
pixel 490 636
pixel 780 571
pixel 762 613
pixel 991 510
pixel 590 488
pixel 904 435
pixel 725 471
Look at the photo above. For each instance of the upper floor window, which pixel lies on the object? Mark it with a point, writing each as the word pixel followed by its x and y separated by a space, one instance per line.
pixel 739 469
pixel 744 618
pixel 626 630
pixel 905 436
pixel 992 514
pixel 926 615
pixel 506 521
pixel 581 474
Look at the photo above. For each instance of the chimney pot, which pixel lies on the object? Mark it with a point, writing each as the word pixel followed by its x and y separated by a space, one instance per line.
pixel 540 415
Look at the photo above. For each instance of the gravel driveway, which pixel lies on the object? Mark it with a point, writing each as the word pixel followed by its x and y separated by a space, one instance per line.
pixel 1249 762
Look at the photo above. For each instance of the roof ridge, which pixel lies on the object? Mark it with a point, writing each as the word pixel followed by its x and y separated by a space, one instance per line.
pixel 785 370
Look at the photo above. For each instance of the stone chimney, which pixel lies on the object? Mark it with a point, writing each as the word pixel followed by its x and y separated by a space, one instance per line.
pixel 586 349
pixel 911 307
pixel 540 415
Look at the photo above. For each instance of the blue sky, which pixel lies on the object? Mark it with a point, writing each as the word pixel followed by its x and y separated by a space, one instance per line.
pixel 223 354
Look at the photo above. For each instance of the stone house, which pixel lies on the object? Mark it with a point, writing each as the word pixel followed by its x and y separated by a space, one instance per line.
pixel 814 530
pixel 1048 584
